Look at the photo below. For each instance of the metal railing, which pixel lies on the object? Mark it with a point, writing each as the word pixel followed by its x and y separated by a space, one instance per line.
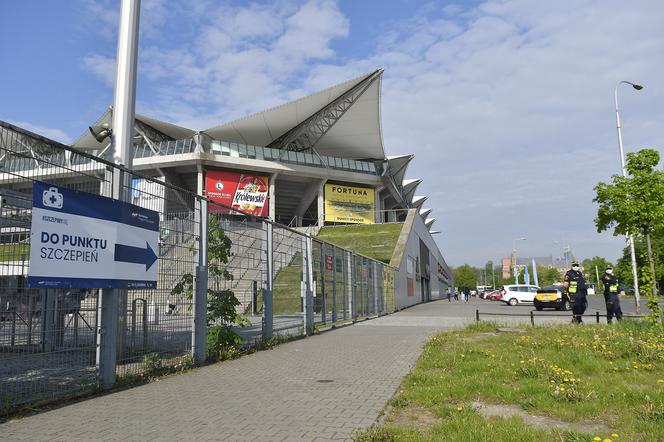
pixel 532 315
pixel 50 339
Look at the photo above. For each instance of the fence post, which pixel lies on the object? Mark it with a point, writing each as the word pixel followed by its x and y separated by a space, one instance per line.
pixel 374 265
pixel 477 315
pixel 308 293
pixel 267 289
pixel 532 318
pixel 321 284
pixel 110 331
pixel 351 286
pixel 199 304
pixel 107 333
pixel 597 316
pixel 334 283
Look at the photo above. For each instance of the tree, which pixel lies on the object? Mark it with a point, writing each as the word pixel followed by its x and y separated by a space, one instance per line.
pixel 593 266
pixel 548 275
pixel 634 204
pixel 221 303
pixel 465 277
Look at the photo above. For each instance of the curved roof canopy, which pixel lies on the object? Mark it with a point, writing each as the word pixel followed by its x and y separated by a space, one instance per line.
pixel 425 212
pixel 409 187
pixel 156 130
pixel 398 165
pixel 418 201
pixel 352 108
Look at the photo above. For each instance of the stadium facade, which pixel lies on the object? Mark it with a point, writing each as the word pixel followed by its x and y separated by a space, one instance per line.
pixel 313 162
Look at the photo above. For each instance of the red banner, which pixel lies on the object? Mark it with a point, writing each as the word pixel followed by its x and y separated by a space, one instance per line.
pixel 245 192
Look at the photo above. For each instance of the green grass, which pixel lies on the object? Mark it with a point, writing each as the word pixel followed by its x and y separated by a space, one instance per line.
pixel 14 252
pixel 612 375
pixel 286 288
pixel 376 241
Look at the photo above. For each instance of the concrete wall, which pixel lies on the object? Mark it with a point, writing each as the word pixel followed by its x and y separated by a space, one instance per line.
pixel 408 249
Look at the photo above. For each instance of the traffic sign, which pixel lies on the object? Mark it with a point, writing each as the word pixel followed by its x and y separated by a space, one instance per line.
pixel 81 240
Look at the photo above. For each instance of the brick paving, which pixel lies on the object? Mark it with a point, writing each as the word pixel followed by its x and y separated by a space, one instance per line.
pixel 325 387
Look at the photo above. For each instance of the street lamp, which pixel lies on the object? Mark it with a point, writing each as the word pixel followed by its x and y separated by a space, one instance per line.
pixel 516 271
pixel 630 236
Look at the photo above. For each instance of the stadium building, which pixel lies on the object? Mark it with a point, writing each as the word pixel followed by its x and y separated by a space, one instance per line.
pixel 314 163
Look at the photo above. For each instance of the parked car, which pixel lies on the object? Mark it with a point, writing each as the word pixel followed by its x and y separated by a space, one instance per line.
pixel 495 295
pixel 551 296
pixel 516 294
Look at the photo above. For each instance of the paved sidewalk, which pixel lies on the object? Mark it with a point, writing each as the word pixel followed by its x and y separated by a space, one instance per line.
pixel 324 387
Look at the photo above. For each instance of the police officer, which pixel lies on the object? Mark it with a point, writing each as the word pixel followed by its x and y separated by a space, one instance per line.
pixel 611 296
pixel 576 290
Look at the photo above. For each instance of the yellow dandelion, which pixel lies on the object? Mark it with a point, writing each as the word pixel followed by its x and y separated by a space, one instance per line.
pixel 607 440
pixel 597 438
pixel 615 435
pixel 660 381
pixel 459 408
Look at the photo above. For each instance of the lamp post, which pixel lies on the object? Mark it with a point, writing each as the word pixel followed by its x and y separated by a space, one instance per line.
pixel 516 270
pixel 630 236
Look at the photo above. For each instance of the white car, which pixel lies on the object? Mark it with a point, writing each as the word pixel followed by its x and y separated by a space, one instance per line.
pixel 516 294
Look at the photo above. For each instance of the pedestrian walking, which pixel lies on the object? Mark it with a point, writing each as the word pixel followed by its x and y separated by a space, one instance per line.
pixel 611 297
pixel 456 294
pixel 576 291
pixel 449 295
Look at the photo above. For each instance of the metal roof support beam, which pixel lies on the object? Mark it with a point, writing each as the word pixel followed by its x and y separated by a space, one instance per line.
pixel 305 135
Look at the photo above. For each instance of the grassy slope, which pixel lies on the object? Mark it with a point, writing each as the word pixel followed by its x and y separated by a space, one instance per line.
pixel 14 252
pixel 286 288
pixel 375 240
pixel 620 367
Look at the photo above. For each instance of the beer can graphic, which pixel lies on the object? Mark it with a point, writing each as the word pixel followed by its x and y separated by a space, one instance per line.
pixel 251 195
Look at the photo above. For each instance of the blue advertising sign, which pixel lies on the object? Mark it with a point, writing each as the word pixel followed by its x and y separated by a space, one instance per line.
pixel 81 240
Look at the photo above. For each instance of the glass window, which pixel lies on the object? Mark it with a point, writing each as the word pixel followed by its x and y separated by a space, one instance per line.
pixel 532 289
pixel 259 152
pixel 292 156
pixel 346 164
pixel 225 149
pixel 338 162
pixel 242 150
pixel 523 288
pixel 234 150
pixel 308 158
pixel 251 152
pixel 300 157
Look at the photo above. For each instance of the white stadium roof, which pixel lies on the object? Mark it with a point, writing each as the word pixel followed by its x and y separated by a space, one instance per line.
pixel 356 134
pixel 87 141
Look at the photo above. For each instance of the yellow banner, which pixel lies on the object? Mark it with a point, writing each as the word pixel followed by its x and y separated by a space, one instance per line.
pixel 349 204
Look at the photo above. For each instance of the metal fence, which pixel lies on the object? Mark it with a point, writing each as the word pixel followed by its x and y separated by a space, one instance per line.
pixel 57 342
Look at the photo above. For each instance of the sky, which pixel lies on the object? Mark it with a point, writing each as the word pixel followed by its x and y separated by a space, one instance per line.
pixel 506 104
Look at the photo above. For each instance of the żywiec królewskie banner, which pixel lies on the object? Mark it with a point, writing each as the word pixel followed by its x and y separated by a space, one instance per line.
pixel 245 192
pixel 349 204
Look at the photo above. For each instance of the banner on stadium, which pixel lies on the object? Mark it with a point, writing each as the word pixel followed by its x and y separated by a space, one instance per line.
pixel 244 191
pixel 349 204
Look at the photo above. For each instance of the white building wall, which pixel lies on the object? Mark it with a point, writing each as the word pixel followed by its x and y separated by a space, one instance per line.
pixel 439 278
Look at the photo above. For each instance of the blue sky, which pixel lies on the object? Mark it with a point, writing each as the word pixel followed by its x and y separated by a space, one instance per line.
pixel 507 104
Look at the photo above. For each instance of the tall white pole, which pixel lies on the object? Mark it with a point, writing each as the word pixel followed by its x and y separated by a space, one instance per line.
pixel 112 303
pixel 630 237
pixel 124 104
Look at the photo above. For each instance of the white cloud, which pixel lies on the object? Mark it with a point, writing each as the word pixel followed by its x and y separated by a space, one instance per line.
pixel 53 134
pixel 507 105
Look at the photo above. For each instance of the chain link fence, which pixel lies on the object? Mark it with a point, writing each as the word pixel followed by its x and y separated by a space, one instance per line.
pixel 286 282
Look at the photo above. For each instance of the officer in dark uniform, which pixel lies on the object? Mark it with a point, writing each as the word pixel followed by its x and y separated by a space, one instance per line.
pixel 576 290
pixel 611 296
